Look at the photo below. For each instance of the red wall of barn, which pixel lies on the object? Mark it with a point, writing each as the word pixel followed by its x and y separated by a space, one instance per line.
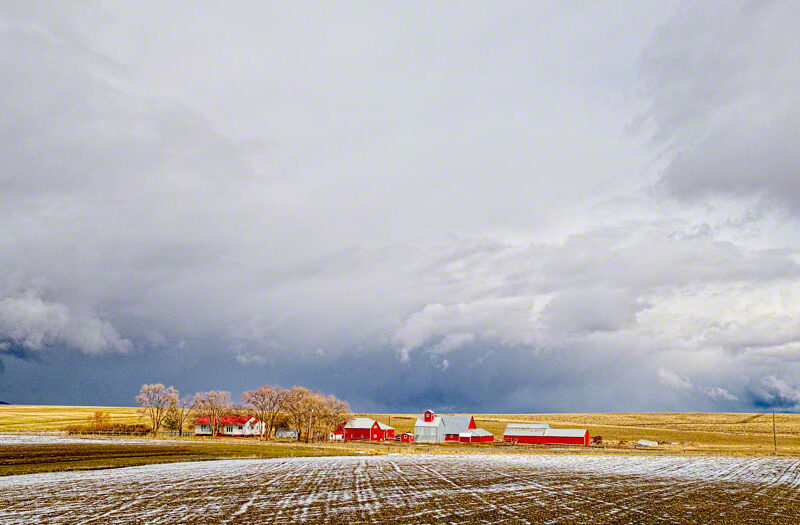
pixel 483 439
pixel 356 434
pixel 550 440
pixel 365 434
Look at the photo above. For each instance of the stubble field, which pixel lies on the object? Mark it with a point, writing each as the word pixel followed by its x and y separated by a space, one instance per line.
pixel 418 489
pixel 723 433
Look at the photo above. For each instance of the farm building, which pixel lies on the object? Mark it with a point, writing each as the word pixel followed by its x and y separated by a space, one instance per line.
pixel 435 428
pixel 366 429
pixel 231 426
pixel 336 435
pixel 286 433
pixel 541 433
pixel 407 437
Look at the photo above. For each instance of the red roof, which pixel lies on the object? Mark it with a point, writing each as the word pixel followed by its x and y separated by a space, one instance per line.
pixel 227 420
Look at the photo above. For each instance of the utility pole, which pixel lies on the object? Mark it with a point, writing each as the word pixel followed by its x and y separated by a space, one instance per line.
pixel 774 434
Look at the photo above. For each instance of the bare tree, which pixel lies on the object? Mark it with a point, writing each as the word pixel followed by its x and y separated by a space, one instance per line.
pixel 154 400
pixel 214 405
pixel 296 406
pixel 178 413
pixel 265 404
pixel 99 421
pixel 334 413
pixel 313 414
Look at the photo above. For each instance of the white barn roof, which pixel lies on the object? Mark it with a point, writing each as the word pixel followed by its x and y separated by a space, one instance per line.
pixel 365 422
pixel 565 432
pixel 422 423
pixel 544 431
pixel 477 432
pixel 524 431
pixel 456 424
pixel 527 425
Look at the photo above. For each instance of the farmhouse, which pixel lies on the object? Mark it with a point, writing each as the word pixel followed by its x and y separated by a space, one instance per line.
pixel 541 433
pixel 435 428
pixel 366 429
pixel 231 426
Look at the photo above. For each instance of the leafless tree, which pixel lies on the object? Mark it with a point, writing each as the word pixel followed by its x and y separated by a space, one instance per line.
pixel 214 405
pixel 296 406
pixel 99 421
pixel 334 413
pixel 313 414
pixel 154 401
pixel 178 413
pixel 265 404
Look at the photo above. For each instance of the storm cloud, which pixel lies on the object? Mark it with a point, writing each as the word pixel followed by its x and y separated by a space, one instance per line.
pixel 461 206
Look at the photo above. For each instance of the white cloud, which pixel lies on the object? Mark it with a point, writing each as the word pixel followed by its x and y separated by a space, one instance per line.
pixel 718 392
pixel 33 324
pixel 673 380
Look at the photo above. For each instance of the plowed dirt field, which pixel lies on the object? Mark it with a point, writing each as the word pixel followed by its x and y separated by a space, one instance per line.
pixel 417 489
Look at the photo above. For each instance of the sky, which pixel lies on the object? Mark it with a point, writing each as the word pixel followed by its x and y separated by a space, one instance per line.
pixel 498 207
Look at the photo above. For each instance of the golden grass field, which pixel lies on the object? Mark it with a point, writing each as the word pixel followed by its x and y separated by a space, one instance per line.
pixel 712 432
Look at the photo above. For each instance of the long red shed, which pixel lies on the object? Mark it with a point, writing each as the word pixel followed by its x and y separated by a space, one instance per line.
pixel 544 435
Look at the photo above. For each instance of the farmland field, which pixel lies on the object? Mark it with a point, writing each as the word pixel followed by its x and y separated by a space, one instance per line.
pixel 718 433
pixel 418 489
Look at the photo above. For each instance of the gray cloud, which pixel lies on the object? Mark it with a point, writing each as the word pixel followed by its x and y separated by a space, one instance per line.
pixel 723 80
pixel 421 199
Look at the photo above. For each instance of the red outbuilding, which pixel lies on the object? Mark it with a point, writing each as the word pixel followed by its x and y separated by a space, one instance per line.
pixel 407 438
pixel 544 435
pixel 366 429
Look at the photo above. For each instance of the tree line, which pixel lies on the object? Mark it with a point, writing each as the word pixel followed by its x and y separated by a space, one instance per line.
pixel 313 415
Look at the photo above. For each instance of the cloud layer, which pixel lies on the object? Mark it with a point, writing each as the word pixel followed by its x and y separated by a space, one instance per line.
pixel 518 204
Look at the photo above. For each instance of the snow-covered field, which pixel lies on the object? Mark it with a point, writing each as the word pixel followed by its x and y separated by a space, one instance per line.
pixel 418 489
pixel 58 439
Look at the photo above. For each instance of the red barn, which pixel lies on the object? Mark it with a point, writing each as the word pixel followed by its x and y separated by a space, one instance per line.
pixel 366 429
pixel 407 438
pixel 544 435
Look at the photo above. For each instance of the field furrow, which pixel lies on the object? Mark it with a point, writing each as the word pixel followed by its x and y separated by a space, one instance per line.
pixel 419 489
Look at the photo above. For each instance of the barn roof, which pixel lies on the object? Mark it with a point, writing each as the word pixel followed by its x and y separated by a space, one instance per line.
pixel 565 432
pixel 365 422
pixel 524 431
pixel 456 424
pixel 478 432
pixel 422 423
pixel 548 432
pixel 527 425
